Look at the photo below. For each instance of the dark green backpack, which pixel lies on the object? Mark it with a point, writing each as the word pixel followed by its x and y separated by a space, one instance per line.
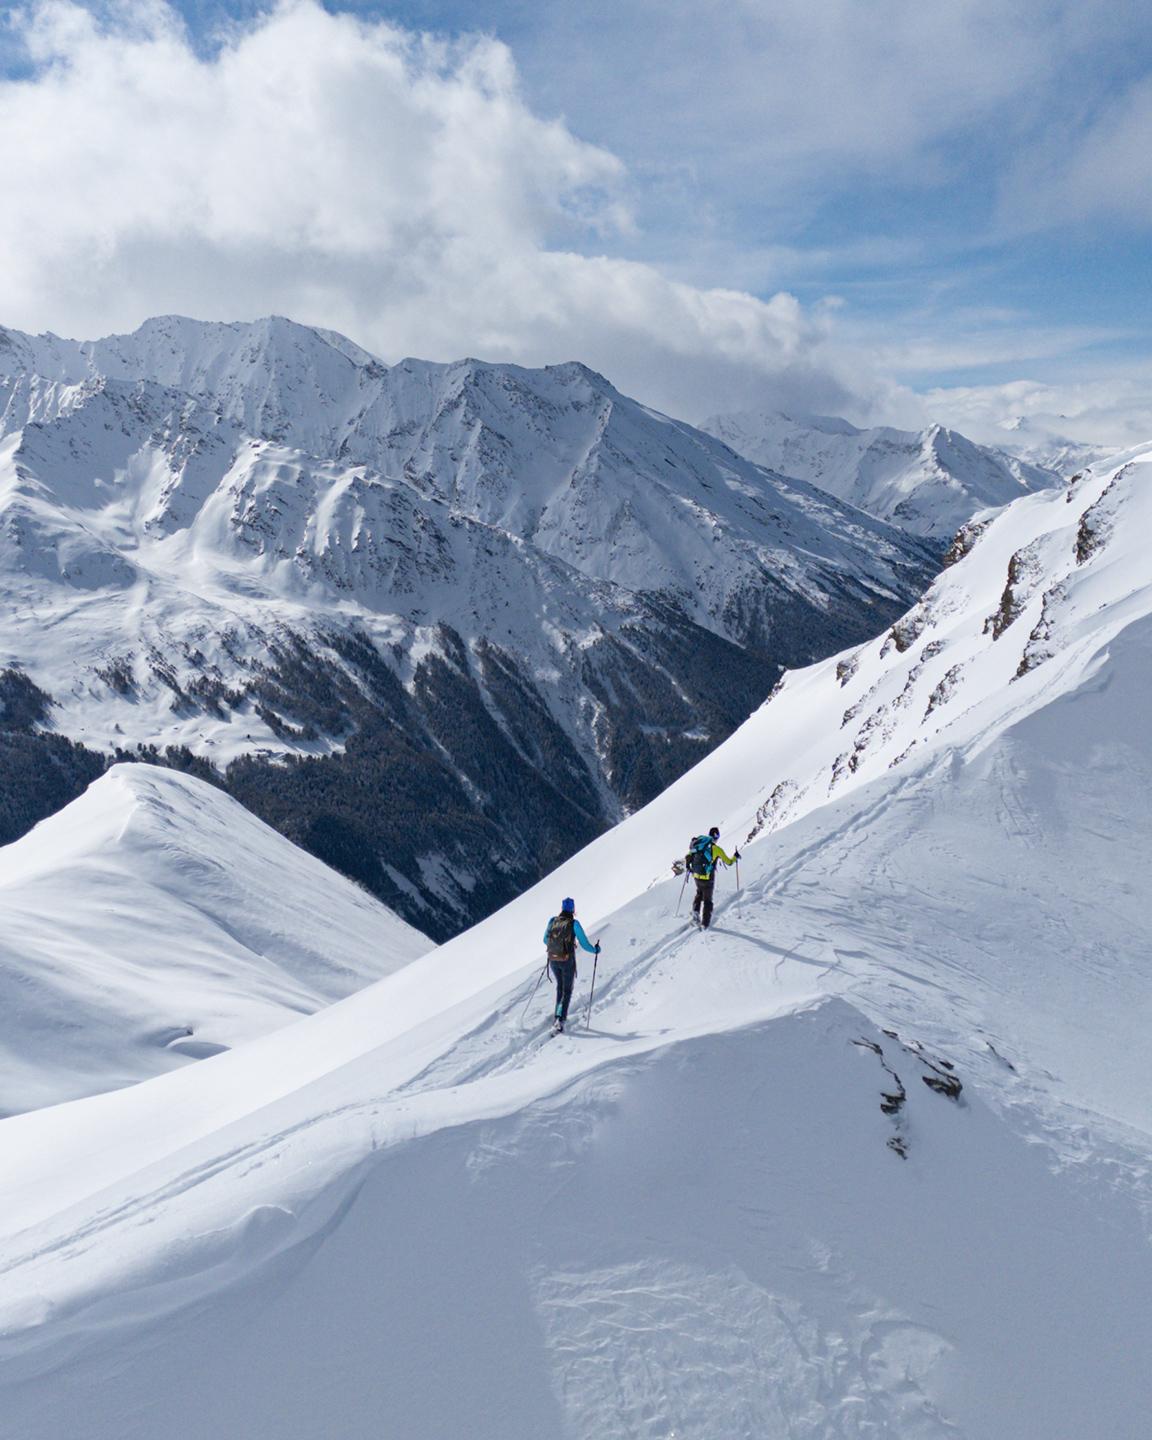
pixel 562 937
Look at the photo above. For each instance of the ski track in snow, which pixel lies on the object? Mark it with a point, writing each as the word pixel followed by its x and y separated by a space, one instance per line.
pixel 870 1159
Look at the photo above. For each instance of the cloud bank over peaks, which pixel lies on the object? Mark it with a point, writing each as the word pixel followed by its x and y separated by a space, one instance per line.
pixel 1031 415
pixel 359 176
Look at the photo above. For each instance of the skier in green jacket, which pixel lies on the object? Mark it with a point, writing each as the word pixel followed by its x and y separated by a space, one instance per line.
pixel 702 859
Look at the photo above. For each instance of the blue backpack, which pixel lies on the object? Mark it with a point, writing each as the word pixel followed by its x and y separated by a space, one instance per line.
pixel 699 858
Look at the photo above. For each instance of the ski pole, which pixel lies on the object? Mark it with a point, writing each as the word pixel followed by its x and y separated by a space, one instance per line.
pixel 680 897
pixel 528 1002
pixel 592 991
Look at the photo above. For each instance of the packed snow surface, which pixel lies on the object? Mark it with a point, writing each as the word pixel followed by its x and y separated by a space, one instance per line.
pixel 872 1157
pixel 155 921
pixel 928 482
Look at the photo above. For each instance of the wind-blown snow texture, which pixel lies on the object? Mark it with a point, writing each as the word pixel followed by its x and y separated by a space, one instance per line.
pixel 871 1158
pixel 155 921
pixel 928 482
pixel 509 605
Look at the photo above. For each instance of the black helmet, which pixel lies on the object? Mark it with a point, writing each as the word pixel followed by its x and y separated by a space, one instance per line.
pixel 715 832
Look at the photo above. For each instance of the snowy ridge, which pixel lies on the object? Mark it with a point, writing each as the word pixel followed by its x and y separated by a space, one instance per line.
pixel 929 482
pixel 871 1157
pixel 1031 593
pixel 155 921
pixel 259 374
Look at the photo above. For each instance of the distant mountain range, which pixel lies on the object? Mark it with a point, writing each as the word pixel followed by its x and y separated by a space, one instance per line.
pixel 1030 438
pixel 439 623
pixel 928 482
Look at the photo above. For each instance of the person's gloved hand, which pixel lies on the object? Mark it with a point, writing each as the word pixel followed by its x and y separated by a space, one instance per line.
pixel 597 947
pixel 736 856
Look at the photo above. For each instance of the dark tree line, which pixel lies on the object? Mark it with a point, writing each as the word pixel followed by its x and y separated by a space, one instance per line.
pixel 445 798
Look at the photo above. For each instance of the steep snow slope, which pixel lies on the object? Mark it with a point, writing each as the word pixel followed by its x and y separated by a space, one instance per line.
pixel 929 482
pixel 485 595
pixel 753 1197
pixel 154 920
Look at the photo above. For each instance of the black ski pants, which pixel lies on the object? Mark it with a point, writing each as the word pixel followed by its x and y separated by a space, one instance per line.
pixel 702 904
pixel 564 973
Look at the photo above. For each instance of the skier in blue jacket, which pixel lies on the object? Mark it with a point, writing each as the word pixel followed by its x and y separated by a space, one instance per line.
pixel 560 937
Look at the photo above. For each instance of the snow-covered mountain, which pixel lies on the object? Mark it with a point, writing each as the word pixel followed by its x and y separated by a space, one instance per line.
pixel 871 1157
pixel 1035 442
pixel 928 482
pixel 153 921
pixel 496 608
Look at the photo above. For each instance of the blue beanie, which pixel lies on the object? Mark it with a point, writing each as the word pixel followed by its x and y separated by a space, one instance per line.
pixel 568 905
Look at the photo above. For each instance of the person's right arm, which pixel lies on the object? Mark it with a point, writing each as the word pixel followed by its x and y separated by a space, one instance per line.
pixel 578 931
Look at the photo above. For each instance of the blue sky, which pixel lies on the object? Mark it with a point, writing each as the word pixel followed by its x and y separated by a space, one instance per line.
pixel 959 197
pixel 936 208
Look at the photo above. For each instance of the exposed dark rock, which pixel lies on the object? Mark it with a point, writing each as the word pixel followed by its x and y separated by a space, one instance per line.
pixel 943 1085
pixel 1011 602
pixel 940 1078
pixel 941 1075
pixel 965 538
pixel 943 691
pixel 1095 525
pixel 774 808
pixel 907 630
pixel 892 1100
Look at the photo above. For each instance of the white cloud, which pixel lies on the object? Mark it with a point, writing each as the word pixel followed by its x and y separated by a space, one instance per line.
pixel 1113 412
pixel 786 94
pixel 1098 166
pixel 963 338
pixel 357 176
pixel 402 189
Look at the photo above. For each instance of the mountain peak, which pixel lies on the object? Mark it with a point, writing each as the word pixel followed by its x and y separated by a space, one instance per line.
pixel 929 482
